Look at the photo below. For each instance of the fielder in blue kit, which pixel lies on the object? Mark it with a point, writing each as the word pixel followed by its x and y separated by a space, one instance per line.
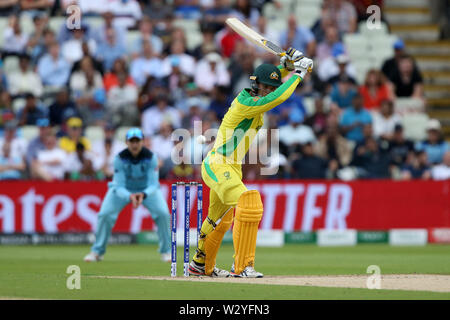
pixel 135 180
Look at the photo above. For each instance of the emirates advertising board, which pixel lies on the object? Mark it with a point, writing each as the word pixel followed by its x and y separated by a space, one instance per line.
pixel 71 207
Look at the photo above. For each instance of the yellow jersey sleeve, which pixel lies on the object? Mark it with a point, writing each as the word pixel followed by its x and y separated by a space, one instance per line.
pixel 251 106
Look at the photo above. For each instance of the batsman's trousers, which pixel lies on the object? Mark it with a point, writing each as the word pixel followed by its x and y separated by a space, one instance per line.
pixel 111 207
pixel 226 187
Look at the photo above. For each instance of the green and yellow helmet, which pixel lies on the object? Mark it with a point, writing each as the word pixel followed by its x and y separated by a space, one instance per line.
pixel 267 74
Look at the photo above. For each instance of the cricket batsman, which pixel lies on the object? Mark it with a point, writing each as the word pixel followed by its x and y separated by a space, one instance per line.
pixel 221 169
pixel 135 180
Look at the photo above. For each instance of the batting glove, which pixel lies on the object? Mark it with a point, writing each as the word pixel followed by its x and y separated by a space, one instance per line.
pixel 291 56
pixel 303 66
pixel 286 63
pixel 294 55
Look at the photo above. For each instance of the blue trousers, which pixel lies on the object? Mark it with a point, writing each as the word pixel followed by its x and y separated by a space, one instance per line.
pixel 111 207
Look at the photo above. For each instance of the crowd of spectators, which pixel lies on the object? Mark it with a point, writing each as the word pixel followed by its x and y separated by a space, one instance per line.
pixel 68 80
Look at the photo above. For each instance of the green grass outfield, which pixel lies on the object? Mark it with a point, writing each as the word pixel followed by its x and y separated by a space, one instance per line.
pixel 40 272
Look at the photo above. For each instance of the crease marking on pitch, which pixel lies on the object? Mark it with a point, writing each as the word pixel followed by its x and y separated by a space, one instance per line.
pixel 410 282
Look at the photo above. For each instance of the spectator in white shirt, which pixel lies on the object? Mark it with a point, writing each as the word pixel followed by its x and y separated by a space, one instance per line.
pixel 88 7
pixel 442 171
pixel 148 64
pixel 24 80
pixel 100 33
pixel 384 121
pixel 162 145
pixel 211 71
pixel 146 33
pixel 87 90
pixel 11 168
pixel 127 12
pixel 12 153
pixel 37 144
pixel 122 103
pixel 17 145
pixel 53 69
pixel 50 163
pixel 80 164
pixel 72 49
pixel 178 51
pixel 338 64
pixel 295 133
pixel 325 47
pixel 343 13
pixel 298 36
pixel 155 115
pixel 105 150
pixel 14 40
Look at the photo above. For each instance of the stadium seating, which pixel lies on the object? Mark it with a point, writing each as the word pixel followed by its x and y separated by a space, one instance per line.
pixel 192 31
pixel 94 133
pixel 367 29
pixel 121 133
pixel 414 125
pixel 55 23
pixel 308 102
pixel 3 26
pixel 409 105
pixel 307 13
pixel 131 38
pixel 18 104
pixel 26 23
pixel 10 64
pixel 29 132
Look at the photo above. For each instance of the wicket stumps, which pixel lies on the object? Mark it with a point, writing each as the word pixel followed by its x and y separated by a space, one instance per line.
pixel 187 214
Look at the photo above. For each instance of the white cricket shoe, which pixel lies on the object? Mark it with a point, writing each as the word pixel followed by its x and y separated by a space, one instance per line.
pixel 198 270
pixel 93 257
pixel 248 272
pixel 166 257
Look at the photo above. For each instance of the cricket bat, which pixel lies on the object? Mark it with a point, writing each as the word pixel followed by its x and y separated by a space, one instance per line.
pixel 254 37
pixel 244 31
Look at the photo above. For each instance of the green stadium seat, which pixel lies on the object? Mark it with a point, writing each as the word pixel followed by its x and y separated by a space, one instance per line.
pixel 277 25
pixel 409 105
pixel 29 132
pixel 94 133
pixel 307 14
pixel 94 22
pixel 10 64
pixel 55 23
pixel 3 26
pixel 121 133
pixel 309 104
pixel 363 28
pixel 274 14
pixel 26 23
pixel 193 39
pixel 18 104
pixel 131 37
pixel 187 25
pixel 414 125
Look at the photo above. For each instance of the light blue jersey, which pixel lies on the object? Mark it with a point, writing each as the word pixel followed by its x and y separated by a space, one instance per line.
pixel 133 175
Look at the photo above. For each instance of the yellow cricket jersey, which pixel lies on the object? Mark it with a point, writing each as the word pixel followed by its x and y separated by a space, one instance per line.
pixel 245 117
pixel 69 145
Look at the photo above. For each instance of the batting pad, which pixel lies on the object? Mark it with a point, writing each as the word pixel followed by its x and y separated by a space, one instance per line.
pixel 214 240
pixel 249 212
